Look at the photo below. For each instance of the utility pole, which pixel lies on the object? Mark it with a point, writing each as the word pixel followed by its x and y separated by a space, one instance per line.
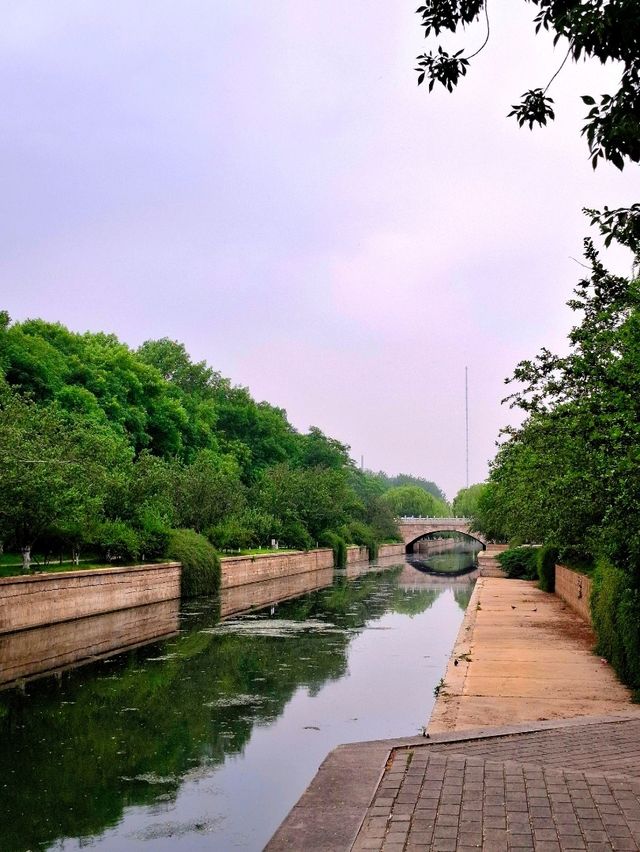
pixel 466 421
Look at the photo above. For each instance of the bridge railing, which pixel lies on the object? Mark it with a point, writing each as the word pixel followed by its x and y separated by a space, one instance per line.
pixel 454 520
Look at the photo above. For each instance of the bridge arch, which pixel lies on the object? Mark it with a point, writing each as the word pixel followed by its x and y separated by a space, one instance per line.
pixel 426 537
pixel 415 529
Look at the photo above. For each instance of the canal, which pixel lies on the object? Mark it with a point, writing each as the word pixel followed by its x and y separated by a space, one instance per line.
pixel 206 734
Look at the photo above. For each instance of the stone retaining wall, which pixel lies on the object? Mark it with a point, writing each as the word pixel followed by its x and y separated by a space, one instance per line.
pixel 386 550
pixel 48 598
pixel 238 599
pixel 357 554
pixel 241 570
pixel 575 590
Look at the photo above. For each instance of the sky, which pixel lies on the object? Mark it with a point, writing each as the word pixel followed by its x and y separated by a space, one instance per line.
pixel 265 182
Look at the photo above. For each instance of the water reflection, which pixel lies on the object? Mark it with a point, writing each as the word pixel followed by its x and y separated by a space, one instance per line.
pixel 42 650
pixel 450 557
pixel 240 599
pixel 168 742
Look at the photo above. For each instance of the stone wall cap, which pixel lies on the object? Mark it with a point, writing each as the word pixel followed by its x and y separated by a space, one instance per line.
pixel 252 556
pixel 47 576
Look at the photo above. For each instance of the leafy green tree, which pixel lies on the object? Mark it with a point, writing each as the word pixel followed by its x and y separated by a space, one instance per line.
pixel 318 450
pixel 414 501
pixel 117 541
pixel 587 29
pixel 193 451
pixel 386 482
pixel 570 475
pixel 465 503
pixel 314 499
pixel 55 469
pixel 208 490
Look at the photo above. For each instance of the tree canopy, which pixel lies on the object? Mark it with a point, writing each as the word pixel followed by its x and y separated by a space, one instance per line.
pixel 106 449
pixel 601 30
pixel 570 475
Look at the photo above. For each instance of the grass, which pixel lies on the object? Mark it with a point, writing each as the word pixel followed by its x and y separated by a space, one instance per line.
pixel 258 551
pixel 11 565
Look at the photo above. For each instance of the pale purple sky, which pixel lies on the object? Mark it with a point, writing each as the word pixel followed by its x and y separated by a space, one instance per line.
pixel 265 182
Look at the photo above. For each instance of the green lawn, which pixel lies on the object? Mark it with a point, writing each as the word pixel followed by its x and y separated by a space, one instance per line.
pixel 256 551
pixel 11 565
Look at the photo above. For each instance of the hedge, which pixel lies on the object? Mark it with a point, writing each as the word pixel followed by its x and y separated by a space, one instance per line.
pixel 546 559
pixel 200 564
pixel 615 613
pixel 337 544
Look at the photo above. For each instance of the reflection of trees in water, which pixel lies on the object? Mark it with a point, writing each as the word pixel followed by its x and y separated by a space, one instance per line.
pixel 75 753
pixel 453 560
pixel 462 595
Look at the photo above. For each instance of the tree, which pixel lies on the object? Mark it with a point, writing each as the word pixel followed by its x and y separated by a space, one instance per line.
pixel 318 450
pixel 414 501
pixel 571 474
pixel 208 490
pixel 590 29
pixel 55 469
pixel 465 503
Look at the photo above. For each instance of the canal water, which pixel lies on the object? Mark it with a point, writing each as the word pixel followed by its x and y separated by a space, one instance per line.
pixel 204 736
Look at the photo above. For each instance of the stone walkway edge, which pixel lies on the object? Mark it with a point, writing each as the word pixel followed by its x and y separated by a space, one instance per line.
pixel 331 813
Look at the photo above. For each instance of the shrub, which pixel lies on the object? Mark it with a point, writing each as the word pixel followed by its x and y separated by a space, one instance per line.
pixel 546 558
pixel 363 535
pixel 153 535
pixel 230 534
pixel 295 535
pixel 117 541
pixel 200 564
pixel 615 612
pixel 338 545
pixel 578 558
pixel 519 563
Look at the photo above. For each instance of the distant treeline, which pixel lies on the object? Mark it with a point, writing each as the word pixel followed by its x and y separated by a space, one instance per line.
pixel 112 451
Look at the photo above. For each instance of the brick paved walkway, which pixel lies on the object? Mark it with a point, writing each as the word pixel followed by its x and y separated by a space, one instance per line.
pixel 574 787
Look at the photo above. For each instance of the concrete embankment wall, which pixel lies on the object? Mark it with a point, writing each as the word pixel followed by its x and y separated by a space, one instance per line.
pixel 357 554
pixel 43 599
pixel 241 570
pixel 575 590
pixel 385 551
pixel 239 599
pixel 388 550
pixel 48 598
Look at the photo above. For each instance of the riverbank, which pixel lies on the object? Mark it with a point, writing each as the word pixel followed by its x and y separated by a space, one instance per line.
pixel 38 600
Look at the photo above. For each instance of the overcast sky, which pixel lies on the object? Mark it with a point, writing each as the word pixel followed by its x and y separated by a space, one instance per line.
pixel 265 182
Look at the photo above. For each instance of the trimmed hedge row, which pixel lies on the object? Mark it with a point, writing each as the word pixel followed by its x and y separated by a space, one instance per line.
pixel 546 559
pixel 615 612
pixel 200 563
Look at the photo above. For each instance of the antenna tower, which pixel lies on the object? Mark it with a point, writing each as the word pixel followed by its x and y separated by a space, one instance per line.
pixel 466 421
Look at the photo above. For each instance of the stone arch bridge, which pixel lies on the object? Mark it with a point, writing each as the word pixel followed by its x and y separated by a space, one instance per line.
pixel 413 529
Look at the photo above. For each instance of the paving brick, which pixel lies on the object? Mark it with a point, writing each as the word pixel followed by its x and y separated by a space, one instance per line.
pixel 545 790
